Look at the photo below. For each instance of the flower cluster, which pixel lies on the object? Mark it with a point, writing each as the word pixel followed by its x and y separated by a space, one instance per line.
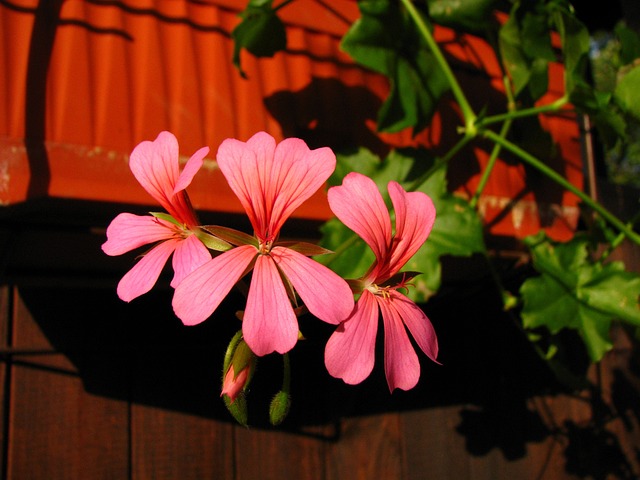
pixel 272 180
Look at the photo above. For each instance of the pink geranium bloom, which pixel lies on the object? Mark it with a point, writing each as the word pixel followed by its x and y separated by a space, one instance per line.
pixel 156 166
pixel 349 353
pixel 271 182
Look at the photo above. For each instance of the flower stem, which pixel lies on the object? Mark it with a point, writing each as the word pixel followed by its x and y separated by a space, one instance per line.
pixel 618 240
pixel 551 174
pixel 525 112
pixel 465 108
pixel 504 130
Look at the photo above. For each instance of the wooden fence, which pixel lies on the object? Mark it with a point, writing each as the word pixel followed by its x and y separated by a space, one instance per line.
pixel 93 388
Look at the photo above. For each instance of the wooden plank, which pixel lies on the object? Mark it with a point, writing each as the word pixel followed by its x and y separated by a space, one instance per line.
pixel 368 447
pixel 57 429
pixel 432 447
pixel 170 445
pixel 275 455
pixel 4 360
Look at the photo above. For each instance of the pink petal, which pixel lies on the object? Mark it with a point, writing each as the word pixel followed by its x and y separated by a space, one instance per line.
pixel 241 163
pixel 190 169
pixel 297 174
pixel 189 255
pixel 326 295
pixel 272 181
pixel 200 293
pixel 418 324
pixel 415 215
pixel 269 323
pixel 156 166
pixel 128 231
pixel 144 274
pixel 350 351
pixel 401 363
pixel 358 204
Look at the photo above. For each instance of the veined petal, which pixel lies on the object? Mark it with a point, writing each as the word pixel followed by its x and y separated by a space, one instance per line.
pixel 269 323
pixel 415 215
pixel 350 351
pixel 200 293
pixel 296 174
pixel 190 254
pixel 144 274
pixel 418 324
pixel 326 295
pixel 272 181
pixel 243 165
pixel 190 169
pixel 358 204
pixel 156 166
pixel 401 363
pixel 127 232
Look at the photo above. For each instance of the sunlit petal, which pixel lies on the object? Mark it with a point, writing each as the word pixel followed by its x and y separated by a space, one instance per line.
pixel 358 204
pixel 189 255
pixel 350 351
pixel 127 232
pixel 272 181
pixel 418 324
pixel 415 215
pixel 325 294
pixel 269 323
pixel 296 174
pixel 200 293
pixel 156 167
pixel 144 274
pixel 190 169
pixel 401 364
pixel 243 165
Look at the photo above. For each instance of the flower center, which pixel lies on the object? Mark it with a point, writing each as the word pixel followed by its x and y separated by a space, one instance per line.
pixel 265 247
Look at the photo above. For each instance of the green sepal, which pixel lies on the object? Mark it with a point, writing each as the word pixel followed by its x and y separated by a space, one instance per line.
pixel 211 241
pixel 400 278
pixel 305 248
pixel 166 217
pixel 238 409
pixel 234 237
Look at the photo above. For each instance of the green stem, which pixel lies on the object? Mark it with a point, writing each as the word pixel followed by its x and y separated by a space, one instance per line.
pixel 504 130
pixel 525 112
pixel 538 165
pixel 619 239
pixel 286 374
pixel 490 164
pixel 467 111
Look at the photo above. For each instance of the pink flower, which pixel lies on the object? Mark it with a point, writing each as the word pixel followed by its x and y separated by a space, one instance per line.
pixel 156 166
pixel 271 182
pixel 349 353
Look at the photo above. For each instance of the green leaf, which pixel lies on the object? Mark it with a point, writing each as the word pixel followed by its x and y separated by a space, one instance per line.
pixel 457 229
pixel 525 47
pixel 574 292
pixel 627 92
pixel 261 32
pixel 575 40
pixel 629 43
pixel 386 40
pixel 470 15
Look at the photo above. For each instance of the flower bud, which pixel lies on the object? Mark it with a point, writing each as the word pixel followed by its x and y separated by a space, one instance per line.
pixel 238 371
pixel 233 384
